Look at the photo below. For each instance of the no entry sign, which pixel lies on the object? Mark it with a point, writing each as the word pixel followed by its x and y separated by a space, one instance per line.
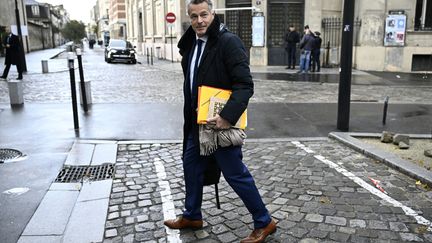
pixel 170 17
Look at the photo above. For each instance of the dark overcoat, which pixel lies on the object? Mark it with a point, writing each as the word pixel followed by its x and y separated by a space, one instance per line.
pixel 224 64
pixel 12 53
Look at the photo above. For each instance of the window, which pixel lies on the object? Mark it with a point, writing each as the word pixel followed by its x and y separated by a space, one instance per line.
pixel 423 15
pixel 35 10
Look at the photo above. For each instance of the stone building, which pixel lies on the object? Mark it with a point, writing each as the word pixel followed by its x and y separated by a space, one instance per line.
pixel 117 19
pixel 101 19
pixel 45 22
pixel 376 45
pixel 8 18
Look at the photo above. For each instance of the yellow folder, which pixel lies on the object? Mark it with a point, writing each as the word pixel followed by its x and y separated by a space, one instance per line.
pixel 210 103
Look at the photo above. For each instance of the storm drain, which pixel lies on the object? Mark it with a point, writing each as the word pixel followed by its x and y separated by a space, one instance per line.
pixel 10 155
pixel 85 173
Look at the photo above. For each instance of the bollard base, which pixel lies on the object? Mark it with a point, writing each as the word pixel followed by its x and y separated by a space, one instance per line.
pixel 87 85
pixel 44 66
pixel 16 92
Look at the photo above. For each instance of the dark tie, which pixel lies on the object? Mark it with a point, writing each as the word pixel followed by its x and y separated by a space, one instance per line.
pixel 194 82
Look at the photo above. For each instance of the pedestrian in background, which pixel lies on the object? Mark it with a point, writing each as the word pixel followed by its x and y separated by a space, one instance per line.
pixel 316 52
pixel 292 37
pixel 306 46
pixel 12 45
pixel 215 57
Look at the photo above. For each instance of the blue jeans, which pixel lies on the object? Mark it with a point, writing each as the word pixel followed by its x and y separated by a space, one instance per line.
pixel 229 160
pixel 305 61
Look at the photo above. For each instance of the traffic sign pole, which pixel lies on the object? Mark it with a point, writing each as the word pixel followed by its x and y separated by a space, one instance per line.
pixel 171 18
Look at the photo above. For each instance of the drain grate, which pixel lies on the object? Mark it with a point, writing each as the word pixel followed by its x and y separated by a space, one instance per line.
pixel 9 155
pixel 86 173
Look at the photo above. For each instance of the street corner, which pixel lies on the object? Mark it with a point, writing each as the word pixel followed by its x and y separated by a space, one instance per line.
pixel 317 190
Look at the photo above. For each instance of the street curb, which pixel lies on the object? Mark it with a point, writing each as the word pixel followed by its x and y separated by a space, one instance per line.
pixel 389 159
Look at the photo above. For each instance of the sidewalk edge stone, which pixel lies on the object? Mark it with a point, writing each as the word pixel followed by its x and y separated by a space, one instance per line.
pixel 392 160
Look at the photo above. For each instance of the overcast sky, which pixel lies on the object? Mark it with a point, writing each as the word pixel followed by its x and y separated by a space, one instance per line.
pixel 77 9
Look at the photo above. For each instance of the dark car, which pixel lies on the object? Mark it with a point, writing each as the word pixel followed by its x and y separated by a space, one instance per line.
pixel 120 50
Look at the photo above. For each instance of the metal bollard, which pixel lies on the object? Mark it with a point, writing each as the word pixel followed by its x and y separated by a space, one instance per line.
pixel 148 57
pixel 73 90
pixel 82 85
pixel 151 56
pixel 386 100
pixel 44 66
pixel 16 92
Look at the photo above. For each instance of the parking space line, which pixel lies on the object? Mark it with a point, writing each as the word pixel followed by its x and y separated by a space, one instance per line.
pixel 168 208
pixel 408 211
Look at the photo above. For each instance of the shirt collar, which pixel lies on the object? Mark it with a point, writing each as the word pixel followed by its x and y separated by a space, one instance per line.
pixel 204 38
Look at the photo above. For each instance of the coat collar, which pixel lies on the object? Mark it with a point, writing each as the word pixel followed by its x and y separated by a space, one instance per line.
pixel 188 39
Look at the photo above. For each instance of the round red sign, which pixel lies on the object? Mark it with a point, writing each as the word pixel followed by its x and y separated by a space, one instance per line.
pixel 170 17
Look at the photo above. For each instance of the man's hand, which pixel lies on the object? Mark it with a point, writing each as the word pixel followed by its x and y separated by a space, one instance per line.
pixel 220 123
pixel 7 45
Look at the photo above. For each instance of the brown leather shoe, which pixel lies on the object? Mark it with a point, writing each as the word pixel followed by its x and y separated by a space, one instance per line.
pixel 183 223
pixel 259 235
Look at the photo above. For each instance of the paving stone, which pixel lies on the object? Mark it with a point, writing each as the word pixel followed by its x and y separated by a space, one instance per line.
pixel 111 233
pixel 316 218
pixel 379 225
pixel 339 237
pixel 227 237
pixel 410 237
pixel 315 233
pixel 357 223
pixel 398 227
pixel 308 240
pixel 335 220
pixel 201 234
pixel 297 232
pixel 87 213
pixel 145 226
pixel 113 215
pixel 51 217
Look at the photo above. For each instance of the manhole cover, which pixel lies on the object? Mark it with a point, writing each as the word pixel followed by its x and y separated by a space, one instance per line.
pixel 10 155
pixel 88 173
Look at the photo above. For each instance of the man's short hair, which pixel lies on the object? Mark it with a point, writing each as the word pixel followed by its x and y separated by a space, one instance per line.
pixel 209 3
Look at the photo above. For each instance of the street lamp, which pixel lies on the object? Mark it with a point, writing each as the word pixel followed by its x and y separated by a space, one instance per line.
pixel 18 22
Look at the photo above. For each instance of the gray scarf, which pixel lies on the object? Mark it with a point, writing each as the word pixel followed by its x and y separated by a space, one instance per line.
pixel 210 138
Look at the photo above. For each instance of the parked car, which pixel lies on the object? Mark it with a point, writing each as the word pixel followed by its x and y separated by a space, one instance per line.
pixel 120 50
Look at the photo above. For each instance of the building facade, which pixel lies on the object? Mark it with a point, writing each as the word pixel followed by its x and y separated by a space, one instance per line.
pixel 117 19
pixel 45 22
pixel 101 18
pixel 378 44
pixel 8 18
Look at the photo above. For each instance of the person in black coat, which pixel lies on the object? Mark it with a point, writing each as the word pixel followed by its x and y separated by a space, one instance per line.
pixel 12 45
pixel 292 37
pixel 213 56
pixel 316 52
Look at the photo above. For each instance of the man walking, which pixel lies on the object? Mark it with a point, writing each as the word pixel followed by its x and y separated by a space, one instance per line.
pixel 215 57
pixel 12 45
pixel 292 37
pixel 306 46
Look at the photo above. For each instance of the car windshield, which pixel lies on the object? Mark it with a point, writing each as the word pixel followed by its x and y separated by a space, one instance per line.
pixel 118 43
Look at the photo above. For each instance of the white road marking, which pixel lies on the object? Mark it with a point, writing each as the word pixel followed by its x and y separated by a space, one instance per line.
pixel 168 208
pixel 408 211
pixel 16 191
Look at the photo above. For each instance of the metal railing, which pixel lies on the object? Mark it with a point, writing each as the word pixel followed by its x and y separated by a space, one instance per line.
pixel 332 35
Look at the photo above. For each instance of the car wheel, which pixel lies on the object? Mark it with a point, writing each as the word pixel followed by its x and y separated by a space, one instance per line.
pixel 109 60
pixel 134 61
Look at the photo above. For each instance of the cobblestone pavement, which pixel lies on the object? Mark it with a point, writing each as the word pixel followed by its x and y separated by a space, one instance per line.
pixel 311 200
pixel 162 83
